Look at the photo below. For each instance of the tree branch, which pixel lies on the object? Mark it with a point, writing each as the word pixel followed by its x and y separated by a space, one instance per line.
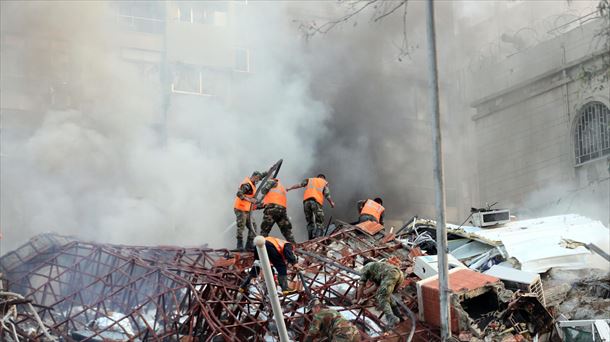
pixel 400 4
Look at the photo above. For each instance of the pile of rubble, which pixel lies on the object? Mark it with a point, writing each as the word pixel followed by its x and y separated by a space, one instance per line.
pixel 65 289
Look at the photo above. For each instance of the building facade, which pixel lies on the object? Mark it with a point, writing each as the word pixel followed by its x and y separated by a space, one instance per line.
pixel 191 49
pixel 542 125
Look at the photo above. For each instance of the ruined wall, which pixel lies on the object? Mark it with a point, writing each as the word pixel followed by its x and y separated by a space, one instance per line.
pixel 524 128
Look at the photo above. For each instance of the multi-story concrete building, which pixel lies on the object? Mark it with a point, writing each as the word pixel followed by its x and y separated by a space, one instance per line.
pixel 193 49
pixel 542 122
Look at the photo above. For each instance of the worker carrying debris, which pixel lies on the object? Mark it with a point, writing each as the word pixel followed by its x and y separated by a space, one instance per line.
pixel 313 200
pixel 388 279
pixel 242 206
pixel 329 325
pixel 280 254
pixel 371 210
pixel 274 204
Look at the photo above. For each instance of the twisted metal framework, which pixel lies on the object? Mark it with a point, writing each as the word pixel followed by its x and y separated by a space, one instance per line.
pixel 94 292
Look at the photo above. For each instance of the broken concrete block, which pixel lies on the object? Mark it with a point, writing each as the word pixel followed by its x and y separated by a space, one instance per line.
pixel 519 280
pixel 473 297
pixel 427 265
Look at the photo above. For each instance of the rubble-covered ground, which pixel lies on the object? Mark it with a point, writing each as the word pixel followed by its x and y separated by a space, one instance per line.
pixel 58 288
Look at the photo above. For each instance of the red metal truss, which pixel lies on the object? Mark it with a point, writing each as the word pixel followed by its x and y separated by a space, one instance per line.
pixel 96 292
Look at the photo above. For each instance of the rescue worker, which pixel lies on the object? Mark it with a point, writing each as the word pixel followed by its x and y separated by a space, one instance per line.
pixel 329 325
pixel 242 206
pixel 371 210
pixel 280 254
pixel 275 209
pixel 313 200
pixel 388 279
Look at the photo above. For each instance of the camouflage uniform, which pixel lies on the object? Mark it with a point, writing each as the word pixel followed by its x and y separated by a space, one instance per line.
pixel 387 277
pixel 329 325
pixel 313 209
pixel 243 220
pixel 276 214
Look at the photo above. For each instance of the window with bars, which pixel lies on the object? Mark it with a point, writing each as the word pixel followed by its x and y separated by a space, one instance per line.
pixel 592 132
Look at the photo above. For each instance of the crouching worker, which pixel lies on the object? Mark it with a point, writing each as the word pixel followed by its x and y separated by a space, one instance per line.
pixel 280 254
pixel 388 279
pixel 371 210
pixel 329 325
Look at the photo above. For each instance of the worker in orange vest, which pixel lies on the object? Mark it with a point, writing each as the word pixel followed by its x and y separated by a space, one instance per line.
pixel 371 210
pixel 281 253
pixel 243 205
pixel 316 189
pixel 274 204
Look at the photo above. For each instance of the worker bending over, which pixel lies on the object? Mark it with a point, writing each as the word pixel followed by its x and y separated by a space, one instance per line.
pixel 316 189
pixel 388 279
pixel 329 325
pixel 280 254
pixel 371 210
pixel 275 209
pixel 242 206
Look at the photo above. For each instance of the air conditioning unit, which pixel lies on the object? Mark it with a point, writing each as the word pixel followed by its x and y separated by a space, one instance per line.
pixel 491 217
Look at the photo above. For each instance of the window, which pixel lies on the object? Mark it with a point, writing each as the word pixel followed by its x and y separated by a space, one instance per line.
pixel 141 16
pixel 196 80
pixel 242 60
pixel 592 132
pixel 208 12
pixel 187 79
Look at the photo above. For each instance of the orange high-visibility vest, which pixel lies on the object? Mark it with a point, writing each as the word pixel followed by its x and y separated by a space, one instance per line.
pixel 315 189
pixel 241 204
pixel 372 208
pixel 276 195
pixel 279 244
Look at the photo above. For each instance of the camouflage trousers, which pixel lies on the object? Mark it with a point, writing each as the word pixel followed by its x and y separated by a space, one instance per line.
pixel 313 212
pixel 384 295
pixel 243 222
pixel 346 334
pixel 276 214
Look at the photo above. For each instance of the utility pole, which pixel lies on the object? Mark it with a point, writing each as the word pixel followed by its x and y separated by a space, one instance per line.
pixel 439 180
pixel 278 314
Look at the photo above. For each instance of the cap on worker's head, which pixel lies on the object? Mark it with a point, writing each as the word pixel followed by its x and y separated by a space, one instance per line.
pixel 257 174
pixel 321 176
pixel 378 200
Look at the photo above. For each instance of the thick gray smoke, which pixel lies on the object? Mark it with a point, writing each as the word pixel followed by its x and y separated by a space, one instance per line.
pixel 378 141
pixel 379 137
pixel 106 170
pixel 114 168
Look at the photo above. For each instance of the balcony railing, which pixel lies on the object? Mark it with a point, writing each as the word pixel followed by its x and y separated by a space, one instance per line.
pixel 141 24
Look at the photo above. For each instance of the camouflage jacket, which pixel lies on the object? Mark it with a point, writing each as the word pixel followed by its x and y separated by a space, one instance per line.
pixel 377 271
pixel 329 324
pixel 246 189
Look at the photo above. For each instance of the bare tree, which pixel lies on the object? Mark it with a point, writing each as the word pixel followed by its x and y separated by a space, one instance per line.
pixel 379 9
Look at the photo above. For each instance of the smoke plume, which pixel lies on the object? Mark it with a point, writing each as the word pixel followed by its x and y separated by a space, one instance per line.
pixel 111 168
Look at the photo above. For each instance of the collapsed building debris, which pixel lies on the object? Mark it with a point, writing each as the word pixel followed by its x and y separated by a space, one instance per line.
pixel 539 244
pixel 95 292
pixel 73 290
